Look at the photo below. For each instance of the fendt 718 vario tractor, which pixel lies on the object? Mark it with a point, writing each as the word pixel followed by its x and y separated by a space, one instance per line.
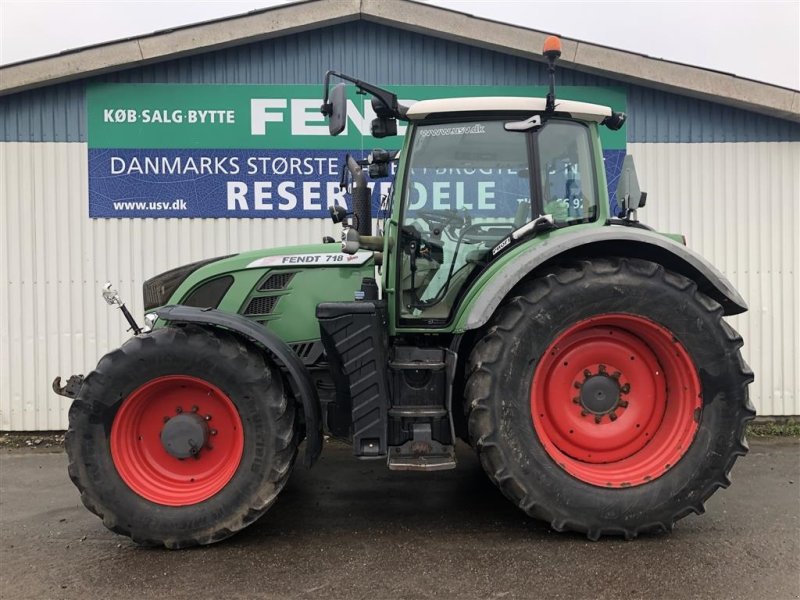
pixel 581 354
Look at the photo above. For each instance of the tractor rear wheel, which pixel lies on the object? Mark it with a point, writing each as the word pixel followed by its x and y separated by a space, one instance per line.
pixel 181 437
pixel 609 397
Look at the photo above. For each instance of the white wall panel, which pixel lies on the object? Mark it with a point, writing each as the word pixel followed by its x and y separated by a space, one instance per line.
pixel 54 259
pixel 737 204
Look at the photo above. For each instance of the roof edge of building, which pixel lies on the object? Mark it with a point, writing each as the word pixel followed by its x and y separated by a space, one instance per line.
pixel 638 69
pixel 175 43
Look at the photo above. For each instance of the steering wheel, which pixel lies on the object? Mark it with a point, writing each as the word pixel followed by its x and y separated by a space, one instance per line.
pixel 437 221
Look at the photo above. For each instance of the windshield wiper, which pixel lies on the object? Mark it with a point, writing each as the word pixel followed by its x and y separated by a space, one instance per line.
pixel 539 225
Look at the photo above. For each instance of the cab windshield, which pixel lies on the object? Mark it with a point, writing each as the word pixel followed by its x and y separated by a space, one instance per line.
pixel 468 186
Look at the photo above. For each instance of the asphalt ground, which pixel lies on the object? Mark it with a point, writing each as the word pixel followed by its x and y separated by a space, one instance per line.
pixel 349 529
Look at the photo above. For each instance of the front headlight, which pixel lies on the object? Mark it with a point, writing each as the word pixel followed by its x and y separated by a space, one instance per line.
pixel 149 322
pixel 159 289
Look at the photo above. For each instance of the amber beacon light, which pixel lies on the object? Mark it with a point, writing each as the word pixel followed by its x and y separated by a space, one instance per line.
pixel 552 47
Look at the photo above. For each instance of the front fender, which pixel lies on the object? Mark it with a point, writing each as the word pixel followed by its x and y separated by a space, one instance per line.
pixel 489 290
pixel 299 379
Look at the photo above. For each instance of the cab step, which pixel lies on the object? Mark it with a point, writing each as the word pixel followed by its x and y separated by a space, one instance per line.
pixel 421 453
pixel 423 462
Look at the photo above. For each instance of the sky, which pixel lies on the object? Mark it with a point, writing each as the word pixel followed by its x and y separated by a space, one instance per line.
pixel 755 39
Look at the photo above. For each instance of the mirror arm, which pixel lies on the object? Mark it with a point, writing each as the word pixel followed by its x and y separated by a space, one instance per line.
pixel 387 98
pixel 326 109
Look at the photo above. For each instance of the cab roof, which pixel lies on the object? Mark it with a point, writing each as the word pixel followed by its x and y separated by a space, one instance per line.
pixel 578 110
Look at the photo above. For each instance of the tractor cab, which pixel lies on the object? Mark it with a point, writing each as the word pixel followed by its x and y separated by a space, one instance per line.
pixel 471 187
pixel 478 177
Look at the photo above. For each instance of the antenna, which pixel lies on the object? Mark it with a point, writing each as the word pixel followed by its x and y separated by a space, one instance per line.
pixel 552 50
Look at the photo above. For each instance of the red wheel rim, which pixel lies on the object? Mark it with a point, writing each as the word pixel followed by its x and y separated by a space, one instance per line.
pixel 144 463
pixel 616 400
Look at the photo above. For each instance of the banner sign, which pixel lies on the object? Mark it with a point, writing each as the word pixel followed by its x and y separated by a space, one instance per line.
pixel 228 151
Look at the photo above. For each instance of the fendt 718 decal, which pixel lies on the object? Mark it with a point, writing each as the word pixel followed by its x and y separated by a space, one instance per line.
pixel 312 259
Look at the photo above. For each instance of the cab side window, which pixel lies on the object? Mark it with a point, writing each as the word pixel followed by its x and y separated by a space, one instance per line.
pixel 567 177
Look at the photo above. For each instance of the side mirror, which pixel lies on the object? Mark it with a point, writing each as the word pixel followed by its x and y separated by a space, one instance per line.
pixel 337 119
pixel 630 197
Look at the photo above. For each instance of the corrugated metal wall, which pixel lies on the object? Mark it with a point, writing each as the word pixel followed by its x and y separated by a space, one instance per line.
pixel 54 259
pixel 370 51
pixel 737 204
pixel 739 207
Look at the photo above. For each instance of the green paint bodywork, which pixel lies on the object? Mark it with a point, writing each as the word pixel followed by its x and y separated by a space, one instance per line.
pixel 294 317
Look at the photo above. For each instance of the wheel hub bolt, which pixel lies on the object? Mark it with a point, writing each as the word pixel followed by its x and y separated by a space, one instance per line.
pixel 178 410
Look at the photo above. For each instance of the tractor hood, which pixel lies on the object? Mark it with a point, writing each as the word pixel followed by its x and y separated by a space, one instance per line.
pixel 277 287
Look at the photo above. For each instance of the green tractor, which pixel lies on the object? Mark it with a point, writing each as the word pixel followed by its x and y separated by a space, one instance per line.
pixel 581 354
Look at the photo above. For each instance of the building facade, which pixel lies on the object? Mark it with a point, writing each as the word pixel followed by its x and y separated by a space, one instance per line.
pixel 719 157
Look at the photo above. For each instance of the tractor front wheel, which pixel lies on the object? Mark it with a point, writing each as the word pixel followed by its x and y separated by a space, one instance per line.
pixel 609 398
pixel 181 437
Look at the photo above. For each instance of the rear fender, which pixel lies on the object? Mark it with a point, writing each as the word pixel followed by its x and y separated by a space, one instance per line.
pixel 605 241
pixel 285 358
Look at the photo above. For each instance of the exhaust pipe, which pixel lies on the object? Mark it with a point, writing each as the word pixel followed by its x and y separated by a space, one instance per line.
pixel 362 197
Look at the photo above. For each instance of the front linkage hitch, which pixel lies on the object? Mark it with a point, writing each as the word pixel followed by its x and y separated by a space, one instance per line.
pixel 72 388
pixel 74 383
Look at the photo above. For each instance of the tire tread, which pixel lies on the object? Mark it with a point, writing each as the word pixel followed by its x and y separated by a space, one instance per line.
pixel 252 364
pixel 484 371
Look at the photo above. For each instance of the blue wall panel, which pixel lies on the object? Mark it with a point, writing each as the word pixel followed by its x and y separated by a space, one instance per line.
pixel 385 55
